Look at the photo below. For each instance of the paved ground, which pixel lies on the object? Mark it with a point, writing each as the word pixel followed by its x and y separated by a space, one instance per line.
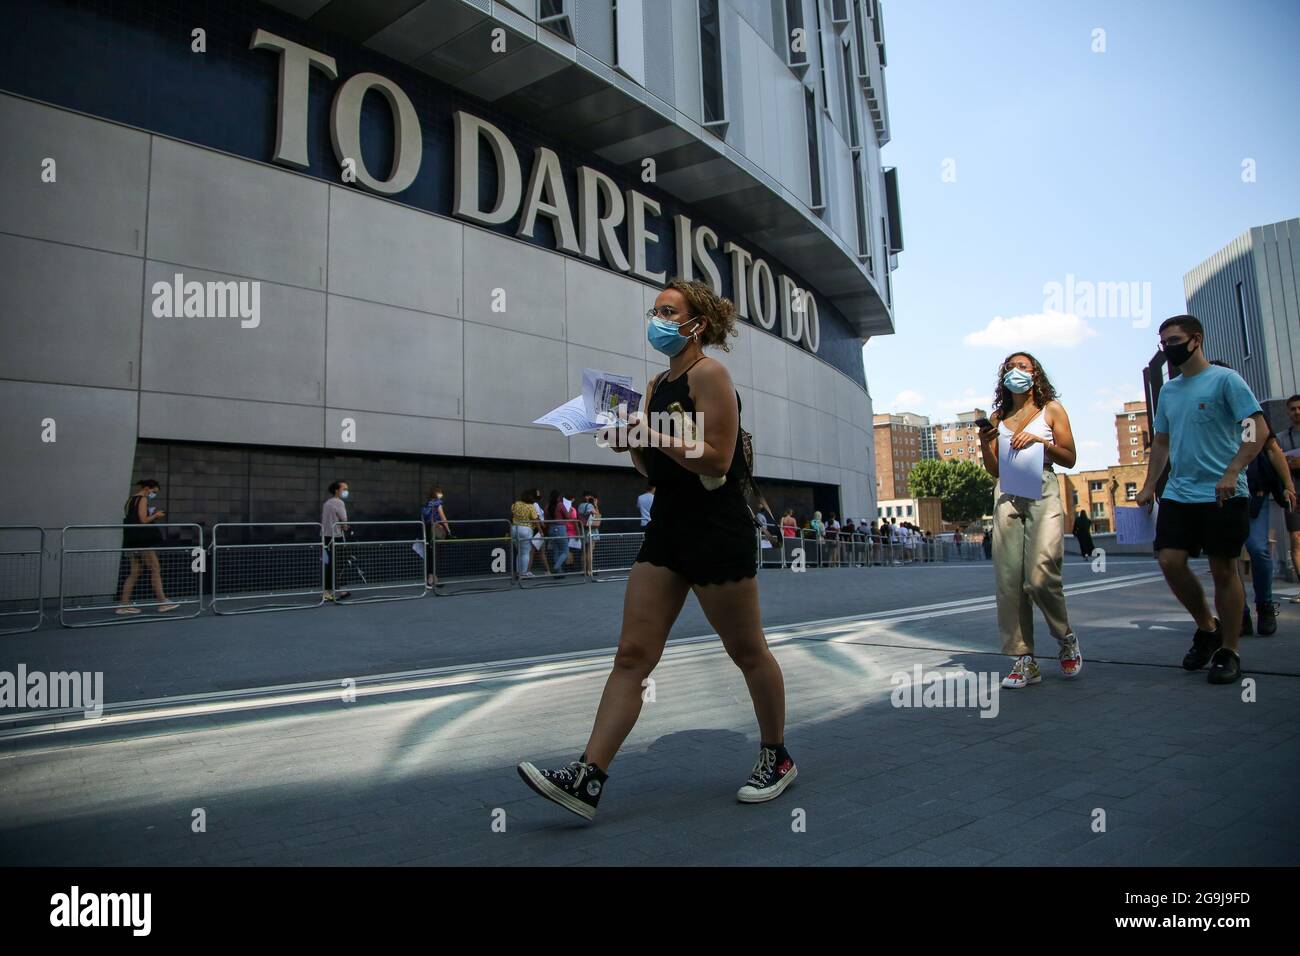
pixel 419 767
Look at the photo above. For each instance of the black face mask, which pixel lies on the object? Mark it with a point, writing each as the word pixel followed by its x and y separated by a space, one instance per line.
pixel 1178 354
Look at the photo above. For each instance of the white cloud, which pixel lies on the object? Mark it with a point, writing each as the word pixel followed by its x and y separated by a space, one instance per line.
pixel 1111 399
pixel 908 400
pixel 1036 331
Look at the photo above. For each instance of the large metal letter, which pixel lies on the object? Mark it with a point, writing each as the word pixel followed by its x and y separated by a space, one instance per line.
pixel 345 132
pixel 468 131
pixel 296 62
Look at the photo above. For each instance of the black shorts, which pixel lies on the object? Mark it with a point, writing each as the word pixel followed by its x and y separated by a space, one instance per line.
pixel 1218 530
pixel 717 545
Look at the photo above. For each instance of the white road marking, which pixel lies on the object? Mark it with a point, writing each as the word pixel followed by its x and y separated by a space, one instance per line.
pixel 517 669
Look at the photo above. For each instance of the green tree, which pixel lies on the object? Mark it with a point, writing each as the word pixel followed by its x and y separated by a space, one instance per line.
pixel 964 489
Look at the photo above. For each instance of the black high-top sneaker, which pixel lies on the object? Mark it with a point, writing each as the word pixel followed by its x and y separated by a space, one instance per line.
pixel 1225 667
pixel 774 771
pixel 576 787
pixel 1267 619
pixel 1204 644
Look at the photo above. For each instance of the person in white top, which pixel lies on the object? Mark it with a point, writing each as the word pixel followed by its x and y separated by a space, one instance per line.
pixel 1029 532
pixel 644 502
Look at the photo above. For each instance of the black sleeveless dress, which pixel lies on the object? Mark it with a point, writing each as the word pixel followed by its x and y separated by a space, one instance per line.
pixel 708 537
pixel 135 534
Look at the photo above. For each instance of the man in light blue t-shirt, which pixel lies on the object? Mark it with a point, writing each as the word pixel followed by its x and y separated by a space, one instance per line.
pixel 1208 428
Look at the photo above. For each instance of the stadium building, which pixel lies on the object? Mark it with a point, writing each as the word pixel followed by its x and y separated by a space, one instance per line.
pixel 248 248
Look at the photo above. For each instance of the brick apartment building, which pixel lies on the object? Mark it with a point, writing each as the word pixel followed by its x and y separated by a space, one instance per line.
pixel 898 450
pixel 1133 434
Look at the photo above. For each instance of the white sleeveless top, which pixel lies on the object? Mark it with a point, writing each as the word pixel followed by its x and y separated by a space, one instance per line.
pixel 1037 426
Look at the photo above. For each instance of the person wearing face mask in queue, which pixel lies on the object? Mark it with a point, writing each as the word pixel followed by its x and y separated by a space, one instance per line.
pixel 1203 419
pixel 698 540
pixel 138 542
pixel 1029 533
pixel 333 522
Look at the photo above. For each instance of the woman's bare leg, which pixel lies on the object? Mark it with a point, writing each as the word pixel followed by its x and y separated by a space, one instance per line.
pixel 653 599
pixel 133 575
pixel 155 576
pixel 732 610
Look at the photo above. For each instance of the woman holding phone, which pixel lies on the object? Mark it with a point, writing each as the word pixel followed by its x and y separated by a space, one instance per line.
pixel 698 540
pixel 1028 532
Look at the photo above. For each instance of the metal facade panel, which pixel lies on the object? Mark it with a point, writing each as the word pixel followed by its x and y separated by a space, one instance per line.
pixel 660 55
pixel 593 28
pixel 1277 269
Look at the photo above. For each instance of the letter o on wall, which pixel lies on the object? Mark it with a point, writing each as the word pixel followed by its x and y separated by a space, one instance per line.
pixel 345 131
pixel 812 327
pixel 763 306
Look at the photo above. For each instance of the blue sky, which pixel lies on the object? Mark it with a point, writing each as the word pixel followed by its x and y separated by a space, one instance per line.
pixel 1122 166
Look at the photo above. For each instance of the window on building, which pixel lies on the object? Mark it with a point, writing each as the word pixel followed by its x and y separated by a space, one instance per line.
pixel 947 451
pixel 1133 453
pixel 814 147
pixel 1132 416
pixel 1133 441
pixel 793 22
pixel 821 54
pixel 711 62
pixel 1132 428
pixel 629 39
pixel 1241 320
pixel 1099 509
pixel 851 110
pixel 1130 490
pixel 859 33
pixel 553 15
pixel 1095 486
pixel 909 511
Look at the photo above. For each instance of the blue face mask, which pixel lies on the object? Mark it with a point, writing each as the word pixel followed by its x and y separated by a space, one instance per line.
pixel 343 493
pixel 153 495
pixel 1018 380
pixel 665 337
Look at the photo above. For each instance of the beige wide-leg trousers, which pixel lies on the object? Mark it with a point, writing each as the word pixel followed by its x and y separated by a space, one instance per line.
pixel 1028 551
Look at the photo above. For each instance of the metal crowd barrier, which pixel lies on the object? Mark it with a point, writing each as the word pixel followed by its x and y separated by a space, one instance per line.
pixel 611 547
pixel 478 555
pixel 275 566
pixel 380 561
pixel 22 578
pixel 100 577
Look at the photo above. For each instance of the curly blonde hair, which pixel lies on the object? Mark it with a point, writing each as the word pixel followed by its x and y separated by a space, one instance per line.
pixel 719 314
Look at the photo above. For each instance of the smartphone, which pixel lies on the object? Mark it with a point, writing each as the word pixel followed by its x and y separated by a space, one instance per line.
pixel 983 423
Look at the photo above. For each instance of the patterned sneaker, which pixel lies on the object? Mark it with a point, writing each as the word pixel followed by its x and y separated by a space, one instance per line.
pixel 771 775
pixel 576 787
pixel 1070 657
pixel 1024 671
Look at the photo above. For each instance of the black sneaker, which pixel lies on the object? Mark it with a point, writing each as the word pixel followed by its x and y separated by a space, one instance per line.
pixel 1204 644
pixel 1247 630
pixel 769 778
pixel 1225 667
pixel 576 787
pixel 1267 619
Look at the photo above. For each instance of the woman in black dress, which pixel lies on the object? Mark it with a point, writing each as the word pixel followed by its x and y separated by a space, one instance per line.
pixel 697 540
pixel 138 541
